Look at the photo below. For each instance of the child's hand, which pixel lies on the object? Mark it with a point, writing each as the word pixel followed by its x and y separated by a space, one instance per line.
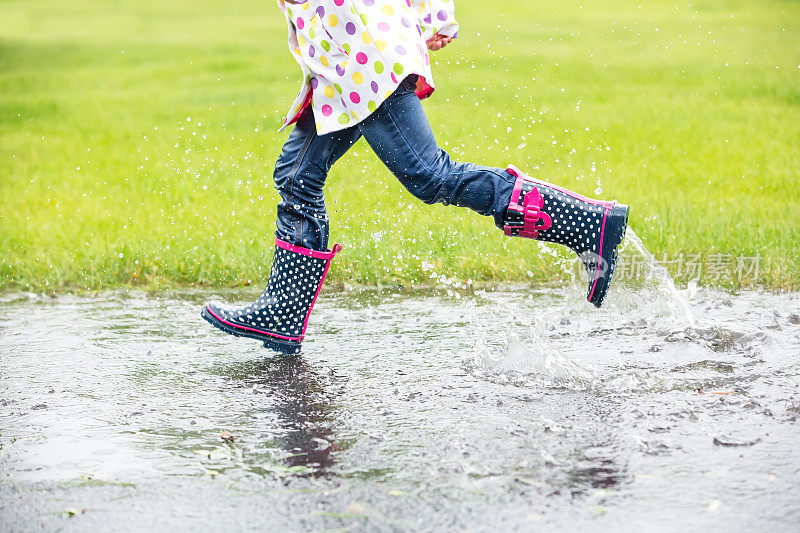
pixel 437 42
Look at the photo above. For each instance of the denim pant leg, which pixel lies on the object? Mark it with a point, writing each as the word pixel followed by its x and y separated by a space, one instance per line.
pixel 300 176
pixel 399 133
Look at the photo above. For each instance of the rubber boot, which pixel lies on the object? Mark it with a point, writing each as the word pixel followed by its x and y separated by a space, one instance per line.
pixel 280 315
pixel 592 228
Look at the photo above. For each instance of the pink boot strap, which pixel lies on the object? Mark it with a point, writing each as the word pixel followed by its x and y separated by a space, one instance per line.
pixel 532 206
pixel 530 209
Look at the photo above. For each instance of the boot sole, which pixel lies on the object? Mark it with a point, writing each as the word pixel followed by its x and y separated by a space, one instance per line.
pixel 279 345
pixel 615 226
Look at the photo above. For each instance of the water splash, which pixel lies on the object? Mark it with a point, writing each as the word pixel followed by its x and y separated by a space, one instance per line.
pixel 535 360
pixel 644 299
pixel 648 288
pixel 642 288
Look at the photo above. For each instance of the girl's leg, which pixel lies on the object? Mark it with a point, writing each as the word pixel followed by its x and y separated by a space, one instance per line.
pixel 300 175
pixel 280 315
pixel 401 136
pixel 399 133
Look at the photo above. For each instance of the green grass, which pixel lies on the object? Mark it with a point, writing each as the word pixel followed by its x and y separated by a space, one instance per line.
pixel 689 113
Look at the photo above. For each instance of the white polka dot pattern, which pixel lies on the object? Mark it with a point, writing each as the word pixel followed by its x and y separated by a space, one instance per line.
pixel 576 224
pixel 283 307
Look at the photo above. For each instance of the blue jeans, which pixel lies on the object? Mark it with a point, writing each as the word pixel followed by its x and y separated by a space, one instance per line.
pixel 399 133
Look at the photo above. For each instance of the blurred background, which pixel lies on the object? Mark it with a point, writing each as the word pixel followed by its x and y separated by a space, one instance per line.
pixel 137 141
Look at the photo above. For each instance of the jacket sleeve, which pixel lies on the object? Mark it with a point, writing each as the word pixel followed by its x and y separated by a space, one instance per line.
pixel 436 16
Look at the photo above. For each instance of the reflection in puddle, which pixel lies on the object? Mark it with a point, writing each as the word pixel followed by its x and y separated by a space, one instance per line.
pixel 304 408
pixel 596 473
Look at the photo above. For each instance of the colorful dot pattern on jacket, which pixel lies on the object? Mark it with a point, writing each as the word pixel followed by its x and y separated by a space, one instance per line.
pixel 354 53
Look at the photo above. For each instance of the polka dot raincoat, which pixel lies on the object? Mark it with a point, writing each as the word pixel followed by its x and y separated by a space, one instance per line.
pixel 354 53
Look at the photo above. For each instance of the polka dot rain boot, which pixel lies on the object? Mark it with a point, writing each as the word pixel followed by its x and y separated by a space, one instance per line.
pixel 280 315
pixel 592 228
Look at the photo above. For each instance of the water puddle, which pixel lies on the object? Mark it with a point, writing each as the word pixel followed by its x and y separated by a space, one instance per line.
pixel 445 409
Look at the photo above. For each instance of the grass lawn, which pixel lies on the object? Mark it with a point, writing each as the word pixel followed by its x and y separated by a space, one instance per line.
pixel 137 140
